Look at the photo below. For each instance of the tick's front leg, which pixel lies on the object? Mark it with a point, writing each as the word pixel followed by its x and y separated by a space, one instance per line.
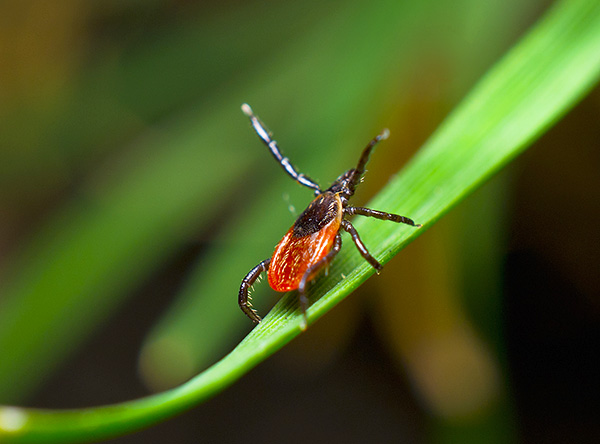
pixel 246 284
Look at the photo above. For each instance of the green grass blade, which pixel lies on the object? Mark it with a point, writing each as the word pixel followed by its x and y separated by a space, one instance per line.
pixel 537 82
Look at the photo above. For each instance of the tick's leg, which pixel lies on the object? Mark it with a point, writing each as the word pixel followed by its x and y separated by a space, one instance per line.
pixel 246 283
pixel 346 225
pixel 265 136
pixel 311 272
pixel 380 215
pixel 364 158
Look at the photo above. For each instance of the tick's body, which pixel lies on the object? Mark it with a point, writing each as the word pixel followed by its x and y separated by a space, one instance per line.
pixel 314 239
pixel 306 243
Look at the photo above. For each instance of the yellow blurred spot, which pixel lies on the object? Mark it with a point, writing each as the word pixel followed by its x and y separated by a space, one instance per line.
pixel 40 44
pixel 12 419
pixel 456 374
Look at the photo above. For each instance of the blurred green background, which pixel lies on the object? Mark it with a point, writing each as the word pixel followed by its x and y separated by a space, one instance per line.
pixel 134 196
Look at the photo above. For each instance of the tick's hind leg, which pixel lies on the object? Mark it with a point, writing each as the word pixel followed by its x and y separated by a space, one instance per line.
pixel 361 211
pixel 246 284
pixel 310 273
pixel 346 225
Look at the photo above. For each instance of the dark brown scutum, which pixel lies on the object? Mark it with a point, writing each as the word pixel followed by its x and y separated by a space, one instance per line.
pixel 318 214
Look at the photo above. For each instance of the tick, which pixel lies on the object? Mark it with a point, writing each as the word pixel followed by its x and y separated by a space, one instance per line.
pixel 314 239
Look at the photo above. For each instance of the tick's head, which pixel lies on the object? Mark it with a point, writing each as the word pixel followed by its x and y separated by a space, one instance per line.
pixel 345 184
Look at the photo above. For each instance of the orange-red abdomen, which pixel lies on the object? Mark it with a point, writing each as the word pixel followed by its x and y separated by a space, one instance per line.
pixel 306 243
